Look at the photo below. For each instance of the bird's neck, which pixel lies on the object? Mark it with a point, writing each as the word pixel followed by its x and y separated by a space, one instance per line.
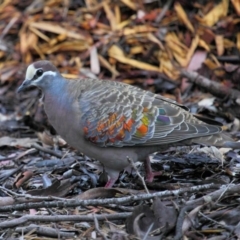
pixel 59 104
pixel 56 96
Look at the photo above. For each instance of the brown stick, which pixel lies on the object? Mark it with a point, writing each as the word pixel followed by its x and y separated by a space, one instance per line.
pixel 214 88
pixel 101 202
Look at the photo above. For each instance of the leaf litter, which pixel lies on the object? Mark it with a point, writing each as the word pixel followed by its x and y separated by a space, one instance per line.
pixel 150 44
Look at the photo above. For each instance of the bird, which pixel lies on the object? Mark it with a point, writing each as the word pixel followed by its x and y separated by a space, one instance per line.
pixel 113 121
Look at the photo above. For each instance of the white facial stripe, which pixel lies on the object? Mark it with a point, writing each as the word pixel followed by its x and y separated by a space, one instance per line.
pixel 48 73
pixel 30 72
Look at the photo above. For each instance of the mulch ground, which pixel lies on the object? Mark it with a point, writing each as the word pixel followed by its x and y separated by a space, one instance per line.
pixel 184 50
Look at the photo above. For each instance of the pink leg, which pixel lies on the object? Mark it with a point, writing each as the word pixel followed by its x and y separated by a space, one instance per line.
pixel 149 173
pixel 113 177
pixel 110 182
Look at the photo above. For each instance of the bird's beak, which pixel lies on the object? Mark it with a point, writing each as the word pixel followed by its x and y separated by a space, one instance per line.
pixel 26 84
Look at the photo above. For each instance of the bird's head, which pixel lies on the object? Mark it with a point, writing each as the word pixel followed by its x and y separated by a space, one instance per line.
pixel 39 74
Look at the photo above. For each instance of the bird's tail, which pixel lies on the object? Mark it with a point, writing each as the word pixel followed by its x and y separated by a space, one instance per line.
pixel 218 140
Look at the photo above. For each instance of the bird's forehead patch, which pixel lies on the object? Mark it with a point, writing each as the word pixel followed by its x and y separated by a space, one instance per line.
pixel 30 72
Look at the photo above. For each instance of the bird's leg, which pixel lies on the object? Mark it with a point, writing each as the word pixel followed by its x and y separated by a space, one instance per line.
pixel 113 177
pixel 149 173
pixel 110 182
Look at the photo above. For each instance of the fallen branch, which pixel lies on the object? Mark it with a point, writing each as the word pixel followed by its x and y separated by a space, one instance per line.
pixel 101 202
pixel 214 196
pixel 46 150
pixel 60 218
pixel 46 231
pixel 214 88
pixel 209 198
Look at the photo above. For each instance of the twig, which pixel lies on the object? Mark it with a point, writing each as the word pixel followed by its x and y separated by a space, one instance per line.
pixel 163 12
pixel 97 227
pixel 148 231
pixel 65 154
pixel 60 218
pixel 49 151
pixel 10 192
pixel 231 189
pixel 217 200
pixel 180 220
pixel 214 196
pixel 123 208
pixel 229 228
pixel 7 158
pixel 106 201
pixel 46 231
pixel 211 86
pixel 28 196
pixel 11 173
pixel 8 27
pixel 138 173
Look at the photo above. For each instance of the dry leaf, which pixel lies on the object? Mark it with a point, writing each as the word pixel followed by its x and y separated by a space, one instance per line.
pixel 107 65
pixel 144 217
pixel 23 42
pixel 7 71
pixel 94 61
pixel 152 38
pixel 136 50
pixel 21 178
pixel 101 192
pixel 17 142
pixel 110 16
pixel 57 189
pixel 197 60
pixel 191 50
pixel 238 41
pixel 66 46
pixel 190 219
pixel 115 52
pixel 203 44
pixel 216 13
pixel 138 29
pixel 213 152
pixel 177 48
pixel 131 4
pixel 166 66
pixel 54 28
pixel 40 34
pixel 228 43
pixel 183 16
pixel 219 44
pixel 236 5
pixel 123 24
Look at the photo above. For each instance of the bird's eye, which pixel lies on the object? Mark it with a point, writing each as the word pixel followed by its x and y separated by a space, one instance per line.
pixel 39 72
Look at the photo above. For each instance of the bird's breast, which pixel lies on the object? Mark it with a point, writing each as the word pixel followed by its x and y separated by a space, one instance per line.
pixel 63 114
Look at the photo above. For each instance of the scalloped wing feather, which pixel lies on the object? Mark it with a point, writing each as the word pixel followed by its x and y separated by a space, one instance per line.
pixel 117 114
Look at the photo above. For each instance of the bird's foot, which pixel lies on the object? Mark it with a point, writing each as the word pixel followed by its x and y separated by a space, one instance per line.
pixel 149 173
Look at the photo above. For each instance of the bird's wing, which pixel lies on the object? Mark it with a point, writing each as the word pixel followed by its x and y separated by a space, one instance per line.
pixel 117 114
